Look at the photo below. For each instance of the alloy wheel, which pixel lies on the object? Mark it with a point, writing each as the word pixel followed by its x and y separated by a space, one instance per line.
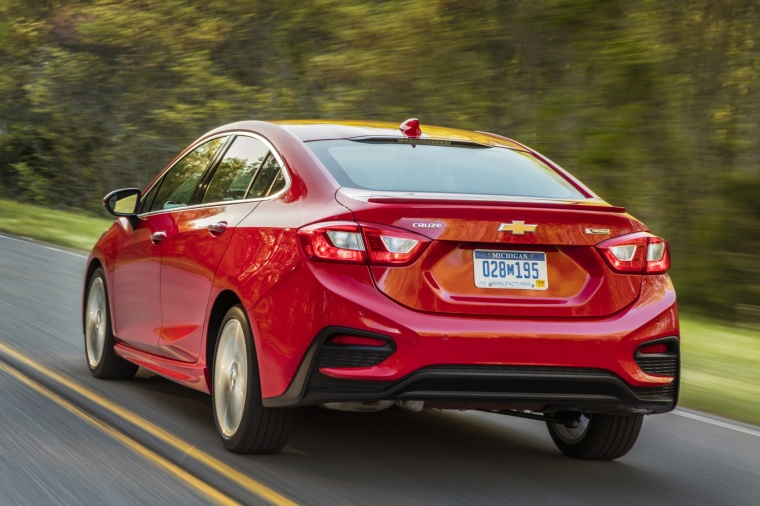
pixel 230 377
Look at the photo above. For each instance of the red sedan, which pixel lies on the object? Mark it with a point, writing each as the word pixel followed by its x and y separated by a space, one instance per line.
pixel 362 265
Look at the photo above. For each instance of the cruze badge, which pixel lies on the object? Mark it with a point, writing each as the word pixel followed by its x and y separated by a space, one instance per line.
pixel 426 225
pixel 517 227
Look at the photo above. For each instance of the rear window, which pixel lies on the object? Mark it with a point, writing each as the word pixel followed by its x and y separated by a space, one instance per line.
pixel 396 166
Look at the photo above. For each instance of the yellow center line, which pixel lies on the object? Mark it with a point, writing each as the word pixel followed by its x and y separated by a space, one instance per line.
pixel 149 455
pixel 227 471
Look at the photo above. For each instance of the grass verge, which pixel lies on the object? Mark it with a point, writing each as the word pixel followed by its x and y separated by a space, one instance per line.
pixel 720 364
pixel 720 368
pixel 72 230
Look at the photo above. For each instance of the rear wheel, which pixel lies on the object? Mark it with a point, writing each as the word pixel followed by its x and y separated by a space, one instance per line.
pixel 597 437
pixel 244 425
pixel 98 336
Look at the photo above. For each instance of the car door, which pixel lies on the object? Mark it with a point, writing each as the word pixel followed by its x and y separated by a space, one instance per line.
pixel 192 255
pixel 137 266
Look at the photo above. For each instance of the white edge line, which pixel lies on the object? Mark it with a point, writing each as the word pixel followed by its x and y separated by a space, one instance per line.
pixel 40 245
pixel 717 423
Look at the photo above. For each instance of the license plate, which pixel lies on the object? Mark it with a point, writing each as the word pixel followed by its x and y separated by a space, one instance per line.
pixel 515 270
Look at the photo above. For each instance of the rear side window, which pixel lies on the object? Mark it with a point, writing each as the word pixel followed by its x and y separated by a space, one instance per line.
pixel 393 166
pixel 269 180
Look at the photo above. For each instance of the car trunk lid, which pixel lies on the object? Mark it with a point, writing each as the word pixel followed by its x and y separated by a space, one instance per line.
pixel 523 257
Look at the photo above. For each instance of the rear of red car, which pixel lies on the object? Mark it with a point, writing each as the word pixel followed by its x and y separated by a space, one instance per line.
pixel 500 282
pixel 428 268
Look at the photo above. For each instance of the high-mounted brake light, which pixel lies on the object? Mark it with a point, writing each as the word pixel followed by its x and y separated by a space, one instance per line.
pixel 360 243
pixel 641 253
pixel 411 128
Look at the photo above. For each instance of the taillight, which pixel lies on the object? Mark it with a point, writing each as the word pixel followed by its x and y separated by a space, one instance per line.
pixel 392 246
pixel 641 253
pixel 361 243
pixel 338 242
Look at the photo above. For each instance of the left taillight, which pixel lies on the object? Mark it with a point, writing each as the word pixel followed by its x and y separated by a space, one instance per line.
pixel 360 243
pixel 336 242
pixel 640 253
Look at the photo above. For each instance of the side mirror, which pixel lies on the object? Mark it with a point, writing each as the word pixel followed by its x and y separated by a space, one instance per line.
pixel 123 202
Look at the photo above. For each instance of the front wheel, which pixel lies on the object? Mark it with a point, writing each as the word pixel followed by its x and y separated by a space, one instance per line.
pixel 597 437
pixel 244 425
pixel 102 360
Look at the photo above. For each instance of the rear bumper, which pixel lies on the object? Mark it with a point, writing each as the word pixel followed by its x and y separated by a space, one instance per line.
pixel 456 360
pixel 493 387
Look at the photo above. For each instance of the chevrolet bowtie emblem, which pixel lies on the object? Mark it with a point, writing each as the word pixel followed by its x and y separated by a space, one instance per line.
pixel 517 227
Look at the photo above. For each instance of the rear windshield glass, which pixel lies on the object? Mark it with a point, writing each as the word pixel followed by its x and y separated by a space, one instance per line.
pixel 393 166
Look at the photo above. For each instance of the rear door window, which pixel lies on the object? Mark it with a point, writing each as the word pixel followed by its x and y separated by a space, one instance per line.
pixel 235 172
pixel 178 185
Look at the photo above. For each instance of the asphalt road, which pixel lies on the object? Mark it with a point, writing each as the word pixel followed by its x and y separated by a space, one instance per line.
pixel 68 438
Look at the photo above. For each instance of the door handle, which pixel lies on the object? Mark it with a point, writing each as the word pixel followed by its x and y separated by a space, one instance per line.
pixel 217 228
pixel 157 237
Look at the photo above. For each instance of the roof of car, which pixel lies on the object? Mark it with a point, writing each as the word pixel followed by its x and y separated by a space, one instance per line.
pixel 313 130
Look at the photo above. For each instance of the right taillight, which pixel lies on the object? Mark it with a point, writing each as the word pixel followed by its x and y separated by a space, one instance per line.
pixel 640 253
pixel 361 243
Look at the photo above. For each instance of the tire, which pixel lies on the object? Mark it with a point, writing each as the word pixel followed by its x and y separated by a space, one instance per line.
pixel 98 335
pixel 244 425
pixel 598 437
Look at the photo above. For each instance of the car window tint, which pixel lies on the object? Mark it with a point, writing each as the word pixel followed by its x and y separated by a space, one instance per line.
pixel 266 179
pixel 441 169
pixel 233 176
pixel 179 183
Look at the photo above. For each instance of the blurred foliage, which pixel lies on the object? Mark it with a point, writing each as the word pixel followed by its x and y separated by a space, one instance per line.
pixel 656 105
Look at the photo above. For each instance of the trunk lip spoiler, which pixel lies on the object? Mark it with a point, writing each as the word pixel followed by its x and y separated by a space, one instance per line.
pixel 596 205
